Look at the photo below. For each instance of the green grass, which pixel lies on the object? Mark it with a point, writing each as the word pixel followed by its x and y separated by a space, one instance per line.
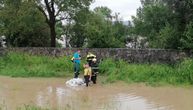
pixel 24 65
pixel 31 107
pixel 154 74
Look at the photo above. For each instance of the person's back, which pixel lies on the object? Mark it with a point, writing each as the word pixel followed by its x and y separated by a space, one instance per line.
pixel 76 61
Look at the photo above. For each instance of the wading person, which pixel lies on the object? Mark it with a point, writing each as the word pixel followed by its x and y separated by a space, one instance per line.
pixel 87 74
pixel 76 60
pixel 95 70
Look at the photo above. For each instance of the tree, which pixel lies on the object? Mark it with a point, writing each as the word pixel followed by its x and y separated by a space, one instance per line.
pixel 22 24
pixel 187 40
pixel 164 21
pixel 151 19
pixel 96 29
pixel 105 12
pixel 120 31
pixel 167 38
pixel 57 10
pixel 102 32
pixel 78 31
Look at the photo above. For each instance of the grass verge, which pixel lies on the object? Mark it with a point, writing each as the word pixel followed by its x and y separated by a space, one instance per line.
pixel 24 65
pixel 154 74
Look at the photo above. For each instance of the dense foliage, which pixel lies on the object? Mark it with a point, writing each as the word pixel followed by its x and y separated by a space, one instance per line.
pixel 98 29
pixel 37 23
pixel 162 23
pixel 23 25
pixel 166 23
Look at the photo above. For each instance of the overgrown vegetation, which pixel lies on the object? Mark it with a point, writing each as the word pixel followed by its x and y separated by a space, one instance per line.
pixel 154 74
pixel 27 23
pixel 165 23
pixel 24 65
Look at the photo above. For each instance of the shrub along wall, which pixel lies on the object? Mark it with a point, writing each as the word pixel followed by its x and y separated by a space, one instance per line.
pixel 129 55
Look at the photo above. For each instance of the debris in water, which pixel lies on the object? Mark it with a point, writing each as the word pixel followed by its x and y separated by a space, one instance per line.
pixel 75 82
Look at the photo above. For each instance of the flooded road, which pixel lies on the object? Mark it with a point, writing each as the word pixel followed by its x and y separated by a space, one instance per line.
pixel 53 93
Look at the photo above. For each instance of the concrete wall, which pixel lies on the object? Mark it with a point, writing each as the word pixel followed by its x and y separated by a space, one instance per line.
pixel 129 55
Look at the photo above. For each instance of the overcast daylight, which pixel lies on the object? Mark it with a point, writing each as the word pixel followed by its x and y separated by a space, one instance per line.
pixel 126 8
pixel 96 55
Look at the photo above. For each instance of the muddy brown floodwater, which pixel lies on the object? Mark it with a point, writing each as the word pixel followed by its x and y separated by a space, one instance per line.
pixel 52 93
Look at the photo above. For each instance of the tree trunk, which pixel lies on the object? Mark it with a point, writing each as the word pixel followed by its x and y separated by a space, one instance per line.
pixel 53 35
pixel 51 21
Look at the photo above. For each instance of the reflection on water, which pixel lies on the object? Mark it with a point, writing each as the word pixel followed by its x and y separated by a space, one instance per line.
pixel 131 102
pixel 52 93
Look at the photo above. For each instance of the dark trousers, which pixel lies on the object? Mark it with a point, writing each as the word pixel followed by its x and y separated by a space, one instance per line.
pixel 76 70
pixel 76 75
pixel 94 78
pixel 89 62
pixel 86 78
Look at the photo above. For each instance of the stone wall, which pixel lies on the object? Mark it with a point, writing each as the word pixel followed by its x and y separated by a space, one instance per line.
pixel 129 55
pixel 2 51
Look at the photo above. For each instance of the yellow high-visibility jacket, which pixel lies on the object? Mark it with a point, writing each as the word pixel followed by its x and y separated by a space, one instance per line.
pixel 87 71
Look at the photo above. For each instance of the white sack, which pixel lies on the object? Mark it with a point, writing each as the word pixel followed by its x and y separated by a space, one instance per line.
pixel 75 82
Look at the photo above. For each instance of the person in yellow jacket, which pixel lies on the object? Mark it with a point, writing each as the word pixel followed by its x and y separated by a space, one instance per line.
pixel 87 74
pixel 90 57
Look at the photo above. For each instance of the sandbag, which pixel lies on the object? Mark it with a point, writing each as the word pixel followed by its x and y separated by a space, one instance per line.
pixel 75 82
